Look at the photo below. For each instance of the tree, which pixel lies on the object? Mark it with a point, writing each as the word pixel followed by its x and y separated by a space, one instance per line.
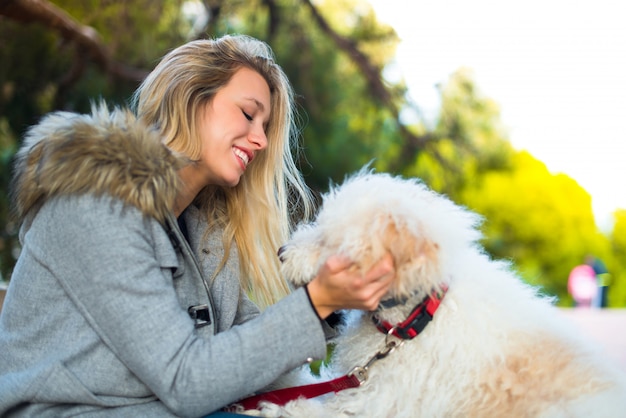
pixel 617 270
pixel 472 139
pixel 543 223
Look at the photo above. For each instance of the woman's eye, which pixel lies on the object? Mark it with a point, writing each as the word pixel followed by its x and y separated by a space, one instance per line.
pixel 247 116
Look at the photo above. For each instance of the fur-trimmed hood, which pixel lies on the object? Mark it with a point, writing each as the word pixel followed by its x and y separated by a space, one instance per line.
pixel 105 152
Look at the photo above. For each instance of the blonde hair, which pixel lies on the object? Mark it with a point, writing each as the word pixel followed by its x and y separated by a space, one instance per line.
pixel 258 213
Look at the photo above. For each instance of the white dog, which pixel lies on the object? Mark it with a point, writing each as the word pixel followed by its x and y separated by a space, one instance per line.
pixel 493 348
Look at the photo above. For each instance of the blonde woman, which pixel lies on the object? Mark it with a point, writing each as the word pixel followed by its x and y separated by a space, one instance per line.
pixel 145 235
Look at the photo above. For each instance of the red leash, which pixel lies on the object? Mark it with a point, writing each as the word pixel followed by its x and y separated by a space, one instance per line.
pixel 282 396
pixel 354 379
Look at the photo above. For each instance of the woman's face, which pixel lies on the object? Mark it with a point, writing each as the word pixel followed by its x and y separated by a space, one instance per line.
pixel 232 128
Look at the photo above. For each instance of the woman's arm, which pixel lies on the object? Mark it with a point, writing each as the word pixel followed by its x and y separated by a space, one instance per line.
pixel 126 294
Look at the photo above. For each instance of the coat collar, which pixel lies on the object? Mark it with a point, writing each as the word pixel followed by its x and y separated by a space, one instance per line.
pixel 105 152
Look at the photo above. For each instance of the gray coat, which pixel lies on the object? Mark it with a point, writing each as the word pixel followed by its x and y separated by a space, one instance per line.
pixel 96 320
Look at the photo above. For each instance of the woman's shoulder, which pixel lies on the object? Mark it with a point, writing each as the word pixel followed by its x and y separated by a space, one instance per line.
pixel 96 226
pixel 93 212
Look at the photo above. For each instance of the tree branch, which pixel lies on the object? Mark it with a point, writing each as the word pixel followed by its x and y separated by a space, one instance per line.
pixel 371 72
pixel 214 10
pixel 413 143
pixel 273 18
pixel 85 37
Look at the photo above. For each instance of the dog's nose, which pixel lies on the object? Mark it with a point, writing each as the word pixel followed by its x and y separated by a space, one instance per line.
pixel 281 250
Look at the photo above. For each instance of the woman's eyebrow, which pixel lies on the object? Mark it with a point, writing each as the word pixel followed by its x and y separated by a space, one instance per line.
pixel 258 103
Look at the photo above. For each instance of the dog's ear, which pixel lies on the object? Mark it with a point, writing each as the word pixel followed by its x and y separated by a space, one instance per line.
pixel 398 242
pixel 407 246
pixel 415 257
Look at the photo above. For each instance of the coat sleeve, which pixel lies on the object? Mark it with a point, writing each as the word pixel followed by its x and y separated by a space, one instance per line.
pixel 127 296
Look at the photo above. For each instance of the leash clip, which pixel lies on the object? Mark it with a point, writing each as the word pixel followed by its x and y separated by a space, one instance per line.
pixel 361 372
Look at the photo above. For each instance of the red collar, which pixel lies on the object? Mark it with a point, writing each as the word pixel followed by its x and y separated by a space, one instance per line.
pixel 417 320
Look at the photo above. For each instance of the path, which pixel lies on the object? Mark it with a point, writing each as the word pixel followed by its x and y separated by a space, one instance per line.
pixel 606 326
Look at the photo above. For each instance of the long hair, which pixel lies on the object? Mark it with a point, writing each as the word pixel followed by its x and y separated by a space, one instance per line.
pixel 257 214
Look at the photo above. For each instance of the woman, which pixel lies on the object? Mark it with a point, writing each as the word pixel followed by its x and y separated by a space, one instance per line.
pixel 141 238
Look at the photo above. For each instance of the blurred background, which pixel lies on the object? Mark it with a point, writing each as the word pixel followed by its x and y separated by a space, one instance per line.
pixel 348 64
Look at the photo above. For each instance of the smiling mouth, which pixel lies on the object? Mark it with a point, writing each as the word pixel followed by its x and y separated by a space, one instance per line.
pixel 244 157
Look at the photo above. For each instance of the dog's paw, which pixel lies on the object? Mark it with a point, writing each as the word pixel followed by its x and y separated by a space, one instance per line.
pixel 300 256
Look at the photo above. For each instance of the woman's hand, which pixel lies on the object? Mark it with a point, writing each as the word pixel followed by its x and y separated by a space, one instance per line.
pixel 339 285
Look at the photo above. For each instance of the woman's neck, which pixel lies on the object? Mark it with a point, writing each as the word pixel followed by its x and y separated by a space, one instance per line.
pixel 191 186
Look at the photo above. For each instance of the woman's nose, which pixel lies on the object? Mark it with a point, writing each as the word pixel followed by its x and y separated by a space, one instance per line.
pixel 258 137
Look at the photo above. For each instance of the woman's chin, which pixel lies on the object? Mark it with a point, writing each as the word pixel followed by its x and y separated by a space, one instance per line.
pixel 232 182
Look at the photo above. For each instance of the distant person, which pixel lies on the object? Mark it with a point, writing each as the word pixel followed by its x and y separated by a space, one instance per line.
pixel 603 280
pixel 582 285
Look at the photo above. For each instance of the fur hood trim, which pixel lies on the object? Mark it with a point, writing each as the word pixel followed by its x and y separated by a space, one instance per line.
pixel 105 152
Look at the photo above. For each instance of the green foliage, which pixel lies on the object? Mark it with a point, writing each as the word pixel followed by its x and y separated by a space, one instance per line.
pixel 8 240
pixel 617 286
pixel 473 140
pixel 30 71
pixel 135 33
pixel 344 128
pixel 542 222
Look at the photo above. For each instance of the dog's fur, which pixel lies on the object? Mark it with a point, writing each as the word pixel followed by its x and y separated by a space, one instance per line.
pixel 495 348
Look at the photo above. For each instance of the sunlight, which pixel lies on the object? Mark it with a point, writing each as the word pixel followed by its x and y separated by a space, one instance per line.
pixel 556 69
